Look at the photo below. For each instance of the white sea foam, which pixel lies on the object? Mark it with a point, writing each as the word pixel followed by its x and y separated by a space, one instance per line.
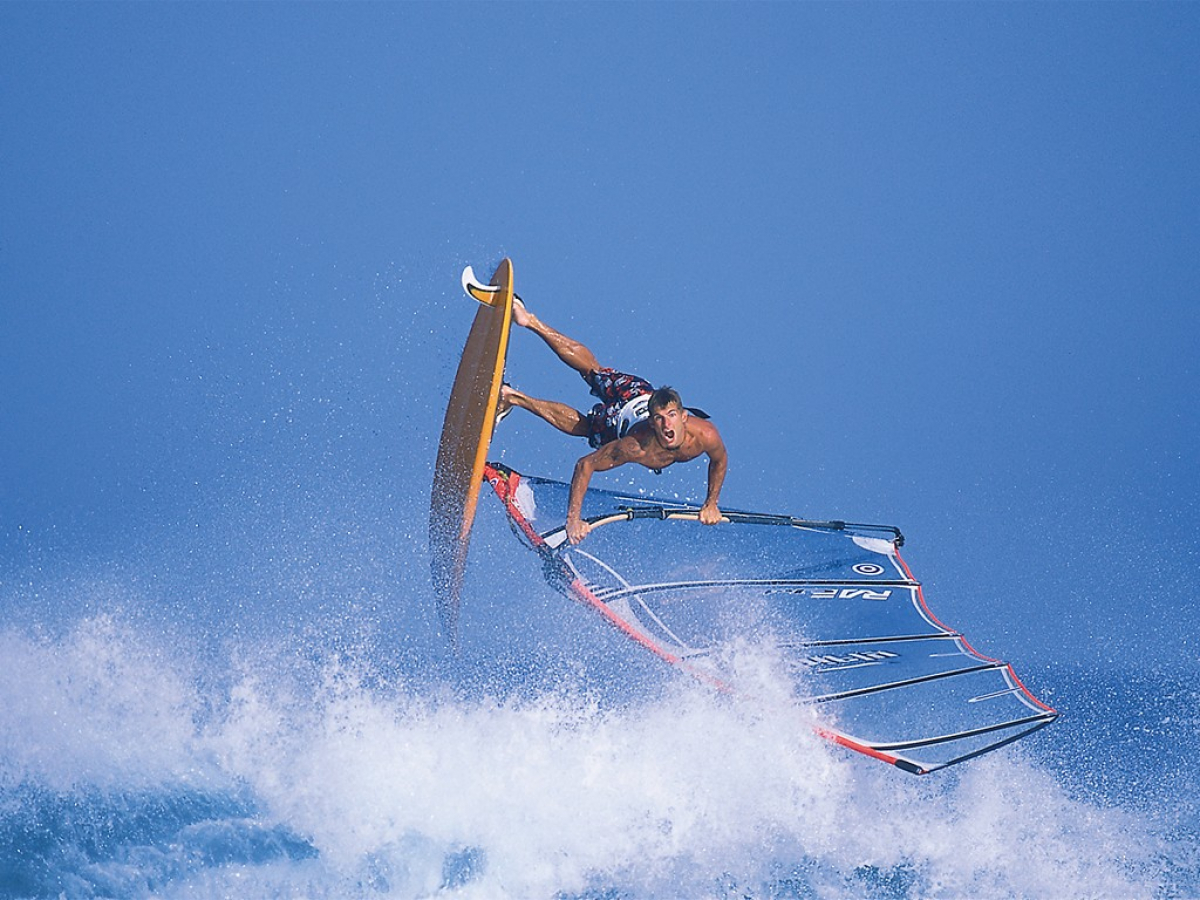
pixel 406 792
pixel 98 706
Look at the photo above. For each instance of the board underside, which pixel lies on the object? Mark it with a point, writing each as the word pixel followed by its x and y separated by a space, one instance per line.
pixel 462 452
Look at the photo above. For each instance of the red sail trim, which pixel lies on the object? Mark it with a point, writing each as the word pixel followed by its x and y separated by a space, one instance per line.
pixel 504 482
pixel 929 613
pixel 850 744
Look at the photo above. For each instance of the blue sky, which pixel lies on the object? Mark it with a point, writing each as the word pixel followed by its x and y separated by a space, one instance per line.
pixel 927 264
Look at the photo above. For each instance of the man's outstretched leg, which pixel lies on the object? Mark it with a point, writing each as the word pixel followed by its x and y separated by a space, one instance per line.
pixel 564 418
pixel 570 351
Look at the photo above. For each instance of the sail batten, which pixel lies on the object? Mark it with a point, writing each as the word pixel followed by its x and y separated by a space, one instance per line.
pixel 1037 721
pixel 905 683
pixel 893 639
pixel 762 582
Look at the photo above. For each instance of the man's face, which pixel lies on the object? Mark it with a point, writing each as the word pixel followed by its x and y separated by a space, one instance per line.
pixel 670 425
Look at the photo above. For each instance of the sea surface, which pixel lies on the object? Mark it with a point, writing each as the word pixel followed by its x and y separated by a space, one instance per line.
pixel 235 725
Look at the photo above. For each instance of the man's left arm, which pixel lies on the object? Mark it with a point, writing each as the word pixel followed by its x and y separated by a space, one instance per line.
pixel 718 462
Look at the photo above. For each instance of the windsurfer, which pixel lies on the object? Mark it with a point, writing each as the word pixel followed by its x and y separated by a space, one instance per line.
pixel 632 423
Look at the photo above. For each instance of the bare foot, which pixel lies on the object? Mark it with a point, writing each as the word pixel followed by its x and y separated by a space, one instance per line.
pixel 505 404
pixel 520 314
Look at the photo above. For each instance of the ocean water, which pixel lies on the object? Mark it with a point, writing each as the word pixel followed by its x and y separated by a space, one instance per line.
pixel 216 720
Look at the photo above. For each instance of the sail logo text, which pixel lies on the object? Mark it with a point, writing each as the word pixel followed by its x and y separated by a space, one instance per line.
pixel 850 594
pixel 835 593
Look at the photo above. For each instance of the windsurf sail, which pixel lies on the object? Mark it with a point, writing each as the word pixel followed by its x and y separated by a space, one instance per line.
pixel 891 681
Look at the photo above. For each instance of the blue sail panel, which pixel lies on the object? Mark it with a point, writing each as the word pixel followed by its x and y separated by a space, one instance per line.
pixel 836 599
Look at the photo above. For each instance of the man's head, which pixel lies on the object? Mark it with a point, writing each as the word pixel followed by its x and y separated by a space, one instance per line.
pixel 668 418
pixel 663 396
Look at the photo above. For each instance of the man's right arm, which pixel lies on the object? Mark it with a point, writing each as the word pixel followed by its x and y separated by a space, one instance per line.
pixel 607 457
pixel 577 529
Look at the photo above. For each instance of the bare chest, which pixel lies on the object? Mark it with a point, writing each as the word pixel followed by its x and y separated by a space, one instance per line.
pixel 656 456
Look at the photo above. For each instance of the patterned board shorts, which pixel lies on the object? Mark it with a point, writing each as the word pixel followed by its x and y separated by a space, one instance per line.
pixel 614 389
